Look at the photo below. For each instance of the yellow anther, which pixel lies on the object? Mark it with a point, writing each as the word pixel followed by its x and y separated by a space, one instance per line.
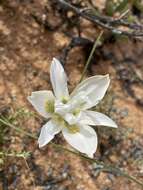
pixel 49 106
pixel 76 111
pixel 73 129
pixel 65 100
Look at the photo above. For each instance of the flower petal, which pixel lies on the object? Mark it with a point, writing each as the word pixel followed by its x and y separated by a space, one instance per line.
pixel 38 100
pixel 94 88
pixel 85 119
pixel 84 141
pixel 58 79
pixel 97 118
pixel 48 131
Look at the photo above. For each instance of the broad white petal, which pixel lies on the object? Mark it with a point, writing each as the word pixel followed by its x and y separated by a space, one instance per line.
pixel 48 131
pixel 84 141
pixel 94 88
pixel 38 100
pixel 97 118
pixel 58 79
pixel 79 100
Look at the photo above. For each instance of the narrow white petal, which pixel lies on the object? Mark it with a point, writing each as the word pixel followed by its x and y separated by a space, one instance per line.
pixel 48 131
pixel 58 79
pixel 94 87
pixel 84 141
pixel 97 118
pixel 38 100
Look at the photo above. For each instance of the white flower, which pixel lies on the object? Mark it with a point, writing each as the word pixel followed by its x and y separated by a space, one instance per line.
pixel 70 113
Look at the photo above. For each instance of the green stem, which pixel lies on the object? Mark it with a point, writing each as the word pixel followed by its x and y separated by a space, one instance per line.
pixel 90 56
pixel 15 154
pixel 19 130
pixel 104 167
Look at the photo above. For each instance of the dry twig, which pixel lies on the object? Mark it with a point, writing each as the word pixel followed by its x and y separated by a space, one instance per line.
pixel 113 24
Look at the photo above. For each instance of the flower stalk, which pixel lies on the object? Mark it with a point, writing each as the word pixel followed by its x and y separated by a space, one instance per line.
pixel 90 56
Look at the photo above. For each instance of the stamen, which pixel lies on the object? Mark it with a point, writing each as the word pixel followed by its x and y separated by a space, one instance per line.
pixel 65 100
pixel 76 111
pixel 49 106
pixel 60 121
pixel 73 129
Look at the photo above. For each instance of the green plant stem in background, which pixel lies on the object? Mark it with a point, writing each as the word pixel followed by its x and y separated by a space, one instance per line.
pixel 15 154
pixel 19 130
pixel 90 56
pixel 103 167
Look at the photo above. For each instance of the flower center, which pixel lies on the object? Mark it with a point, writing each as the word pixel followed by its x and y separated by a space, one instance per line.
pixel 60 121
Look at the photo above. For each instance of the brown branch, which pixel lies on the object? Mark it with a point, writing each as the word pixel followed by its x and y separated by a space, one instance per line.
pixel 106 22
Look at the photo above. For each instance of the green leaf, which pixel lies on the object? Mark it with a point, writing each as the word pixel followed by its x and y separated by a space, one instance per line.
pixel 110 7
pixel 122 6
